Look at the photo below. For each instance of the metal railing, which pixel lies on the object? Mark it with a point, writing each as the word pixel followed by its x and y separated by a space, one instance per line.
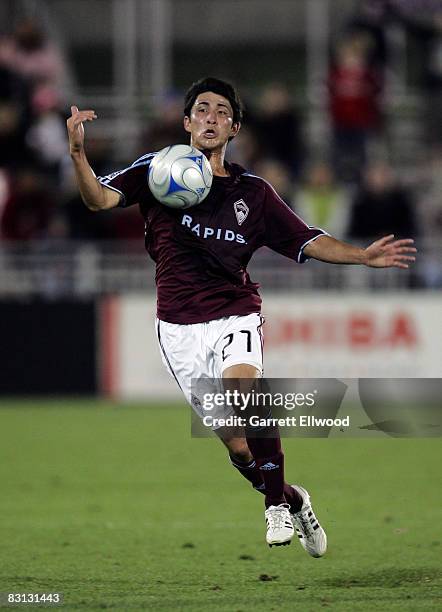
pixel 53 269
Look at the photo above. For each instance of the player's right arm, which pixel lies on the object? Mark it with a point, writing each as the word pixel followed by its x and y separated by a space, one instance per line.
pixel 95 195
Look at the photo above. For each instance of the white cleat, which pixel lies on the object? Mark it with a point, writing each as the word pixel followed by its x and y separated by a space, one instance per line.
pixel 279 525
pixel 310 533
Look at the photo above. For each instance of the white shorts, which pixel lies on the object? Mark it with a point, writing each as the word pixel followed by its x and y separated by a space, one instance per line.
pixel 205 350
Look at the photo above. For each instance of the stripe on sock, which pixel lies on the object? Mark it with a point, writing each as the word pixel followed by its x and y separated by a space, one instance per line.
pixel 243 466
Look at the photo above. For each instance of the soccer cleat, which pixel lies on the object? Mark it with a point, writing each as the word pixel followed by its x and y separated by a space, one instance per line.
pixel 310 533
pixel 279 525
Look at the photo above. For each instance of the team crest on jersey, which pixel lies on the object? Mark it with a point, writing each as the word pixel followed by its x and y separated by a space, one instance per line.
pixel 241 211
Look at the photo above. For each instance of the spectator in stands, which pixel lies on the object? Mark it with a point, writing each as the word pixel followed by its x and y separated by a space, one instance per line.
pixel 430 205
pixel 166 128
pixel 355 107
pixel 321 201
pixel 244 149
pixel 277 174
pixel 29 53
pixel 28 207
pixel 425 32
pixel 370 21
pixel 277 127
pixel 381 206
pixel 46 136
pixel 430 211
pixel 14 118
pixel 32 71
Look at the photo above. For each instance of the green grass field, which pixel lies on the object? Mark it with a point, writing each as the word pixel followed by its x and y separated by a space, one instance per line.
pixel 117 507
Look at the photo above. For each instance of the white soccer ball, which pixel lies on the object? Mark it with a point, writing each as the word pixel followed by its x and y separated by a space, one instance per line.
pixel 180 176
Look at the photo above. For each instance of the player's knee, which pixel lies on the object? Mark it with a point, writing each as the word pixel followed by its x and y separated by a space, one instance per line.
pixel 239 451
pixel 242 370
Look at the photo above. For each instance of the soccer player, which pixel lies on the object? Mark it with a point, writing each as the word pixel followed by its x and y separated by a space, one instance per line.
pixel 208 317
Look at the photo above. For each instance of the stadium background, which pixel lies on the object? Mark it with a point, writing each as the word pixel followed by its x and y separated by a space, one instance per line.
pixel 343 116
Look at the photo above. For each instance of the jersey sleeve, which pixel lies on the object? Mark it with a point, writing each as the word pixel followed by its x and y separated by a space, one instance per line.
pixel 285 232
pixel 131 182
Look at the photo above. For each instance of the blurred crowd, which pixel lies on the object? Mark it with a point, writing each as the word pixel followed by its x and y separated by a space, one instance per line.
pixel 350 188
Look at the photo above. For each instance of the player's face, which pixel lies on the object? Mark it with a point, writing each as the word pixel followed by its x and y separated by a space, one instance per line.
pixel 210 124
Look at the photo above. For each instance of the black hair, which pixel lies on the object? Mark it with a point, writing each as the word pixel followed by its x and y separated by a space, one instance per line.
pixel 219 87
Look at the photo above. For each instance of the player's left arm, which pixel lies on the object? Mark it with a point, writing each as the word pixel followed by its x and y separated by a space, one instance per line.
pixel 384 253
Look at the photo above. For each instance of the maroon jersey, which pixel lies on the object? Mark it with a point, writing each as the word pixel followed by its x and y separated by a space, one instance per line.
pixel 201 253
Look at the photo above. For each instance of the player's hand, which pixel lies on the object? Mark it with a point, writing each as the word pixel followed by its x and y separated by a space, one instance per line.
pixel 76 129
pixel 390 253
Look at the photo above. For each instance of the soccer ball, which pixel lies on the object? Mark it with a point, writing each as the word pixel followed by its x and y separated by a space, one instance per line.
pixel 180 176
